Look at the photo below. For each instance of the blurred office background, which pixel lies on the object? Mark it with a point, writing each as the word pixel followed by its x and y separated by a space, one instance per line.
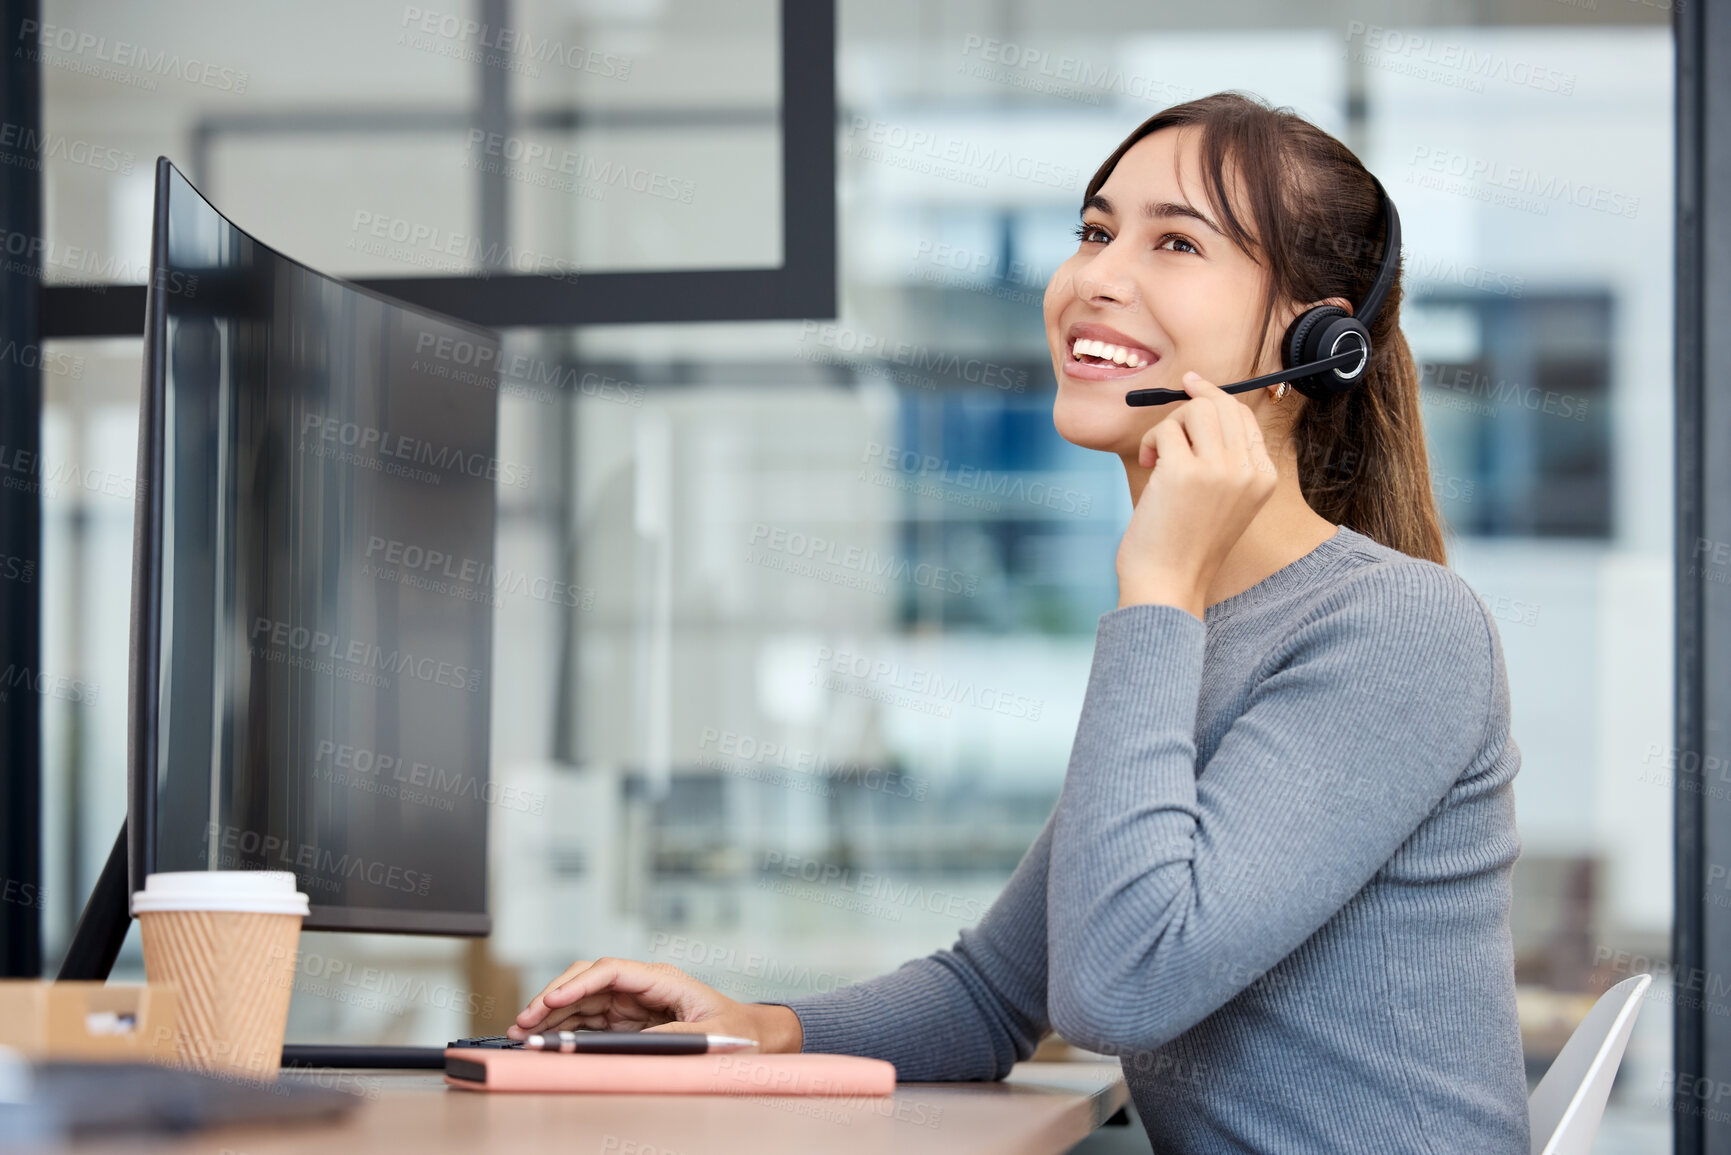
pixel 835 583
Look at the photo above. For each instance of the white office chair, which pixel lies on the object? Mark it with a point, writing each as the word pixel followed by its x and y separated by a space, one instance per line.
pixel 1566 1106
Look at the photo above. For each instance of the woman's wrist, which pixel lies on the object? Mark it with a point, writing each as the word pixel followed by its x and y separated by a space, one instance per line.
pixel 1183 595
pixel 1181 585
pixel 779 1030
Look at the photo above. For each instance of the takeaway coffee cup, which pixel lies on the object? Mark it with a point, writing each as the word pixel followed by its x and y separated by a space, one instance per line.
pixel 227 939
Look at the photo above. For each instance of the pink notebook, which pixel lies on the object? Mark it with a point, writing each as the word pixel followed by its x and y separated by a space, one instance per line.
pixel 474 1069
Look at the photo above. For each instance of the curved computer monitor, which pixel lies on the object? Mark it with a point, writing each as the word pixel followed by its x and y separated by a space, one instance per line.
pixel 313 582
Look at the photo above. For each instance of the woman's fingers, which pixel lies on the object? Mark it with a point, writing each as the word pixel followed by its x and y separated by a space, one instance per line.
pixel 554 1019
pixel 1201 418
pixel 653 984
pixel 1235 418
pixel 1217 427
pixel 565 1020
pixel 536 1012
pixel 1166 441
pixel 539 1016
pixel 565 976
pixel 602 1011
pixel 644 993
pixel 1169 438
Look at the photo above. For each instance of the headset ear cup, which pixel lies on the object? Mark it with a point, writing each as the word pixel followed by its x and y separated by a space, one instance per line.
pixel 1292 345
pixel 1299 346
pixel 1325 339
pixel 1304 335
pixel 1312 338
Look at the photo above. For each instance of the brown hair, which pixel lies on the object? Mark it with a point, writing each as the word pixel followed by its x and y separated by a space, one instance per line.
pixel 1316 224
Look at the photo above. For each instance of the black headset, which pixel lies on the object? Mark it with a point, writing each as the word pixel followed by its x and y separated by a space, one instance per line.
pixel 1328 345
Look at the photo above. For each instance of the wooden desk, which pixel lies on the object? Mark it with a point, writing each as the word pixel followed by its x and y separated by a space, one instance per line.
pixel 1041 1108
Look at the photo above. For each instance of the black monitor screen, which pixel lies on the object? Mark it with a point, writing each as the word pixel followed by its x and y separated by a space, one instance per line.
pixel 313 586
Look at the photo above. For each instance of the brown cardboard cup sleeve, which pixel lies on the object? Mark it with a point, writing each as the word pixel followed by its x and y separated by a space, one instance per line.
pixel 228 939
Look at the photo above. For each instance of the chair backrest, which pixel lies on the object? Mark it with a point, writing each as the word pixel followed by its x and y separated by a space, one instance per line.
pixel 1566 1106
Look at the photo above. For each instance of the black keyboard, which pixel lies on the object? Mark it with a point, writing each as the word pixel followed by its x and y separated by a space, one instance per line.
pixel 402 1058
pixel 338 1055
pixel 487 1042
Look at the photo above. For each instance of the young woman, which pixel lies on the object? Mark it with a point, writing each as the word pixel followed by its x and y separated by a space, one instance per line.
pixel 1276 882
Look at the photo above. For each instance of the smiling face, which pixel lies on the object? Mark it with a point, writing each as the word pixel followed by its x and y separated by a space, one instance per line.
pixel 1153 291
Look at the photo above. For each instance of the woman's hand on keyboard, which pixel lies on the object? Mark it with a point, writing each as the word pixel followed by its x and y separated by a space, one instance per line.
pixel 611 994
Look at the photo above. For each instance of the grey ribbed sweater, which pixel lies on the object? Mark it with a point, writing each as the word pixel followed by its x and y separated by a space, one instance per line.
pixel 1276 882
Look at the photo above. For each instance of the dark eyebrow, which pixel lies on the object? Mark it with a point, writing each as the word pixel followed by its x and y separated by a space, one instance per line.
pixel 1155 209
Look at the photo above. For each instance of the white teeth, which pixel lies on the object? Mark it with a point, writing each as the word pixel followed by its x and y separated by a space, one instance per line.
pixel 1115 353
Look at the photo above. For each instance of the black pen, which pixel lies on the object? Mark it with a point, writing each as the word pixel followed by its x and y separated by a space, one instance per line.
pixel 635 1043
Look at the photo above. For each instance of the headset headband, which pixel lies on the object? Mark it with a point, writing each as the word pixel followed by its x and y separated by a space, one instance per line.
pixel 1385 273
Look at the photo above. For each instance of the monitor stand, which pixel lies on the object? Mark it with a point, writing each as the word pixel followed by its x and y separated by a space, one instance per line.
pixel 102 930
pixel 102 927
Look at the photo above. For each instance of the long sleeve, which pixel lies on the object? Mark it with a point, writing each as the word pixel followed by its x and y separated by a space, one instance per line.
pixel 1173 887
pixel 970 1012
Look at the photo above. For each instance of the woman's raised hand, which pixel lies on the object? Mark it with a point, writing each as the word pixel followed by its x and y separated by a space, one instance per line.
pixel 1211 474
pixel 611 994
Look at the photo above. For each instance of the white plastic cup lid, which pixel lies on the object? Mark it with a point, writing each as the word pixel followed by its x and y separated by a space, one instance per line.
pixel 244 891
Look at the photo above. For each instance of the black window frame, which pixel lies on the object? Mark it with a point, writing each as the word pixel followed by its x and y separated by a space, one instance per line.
pixel 1701 801
pixel 802 287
